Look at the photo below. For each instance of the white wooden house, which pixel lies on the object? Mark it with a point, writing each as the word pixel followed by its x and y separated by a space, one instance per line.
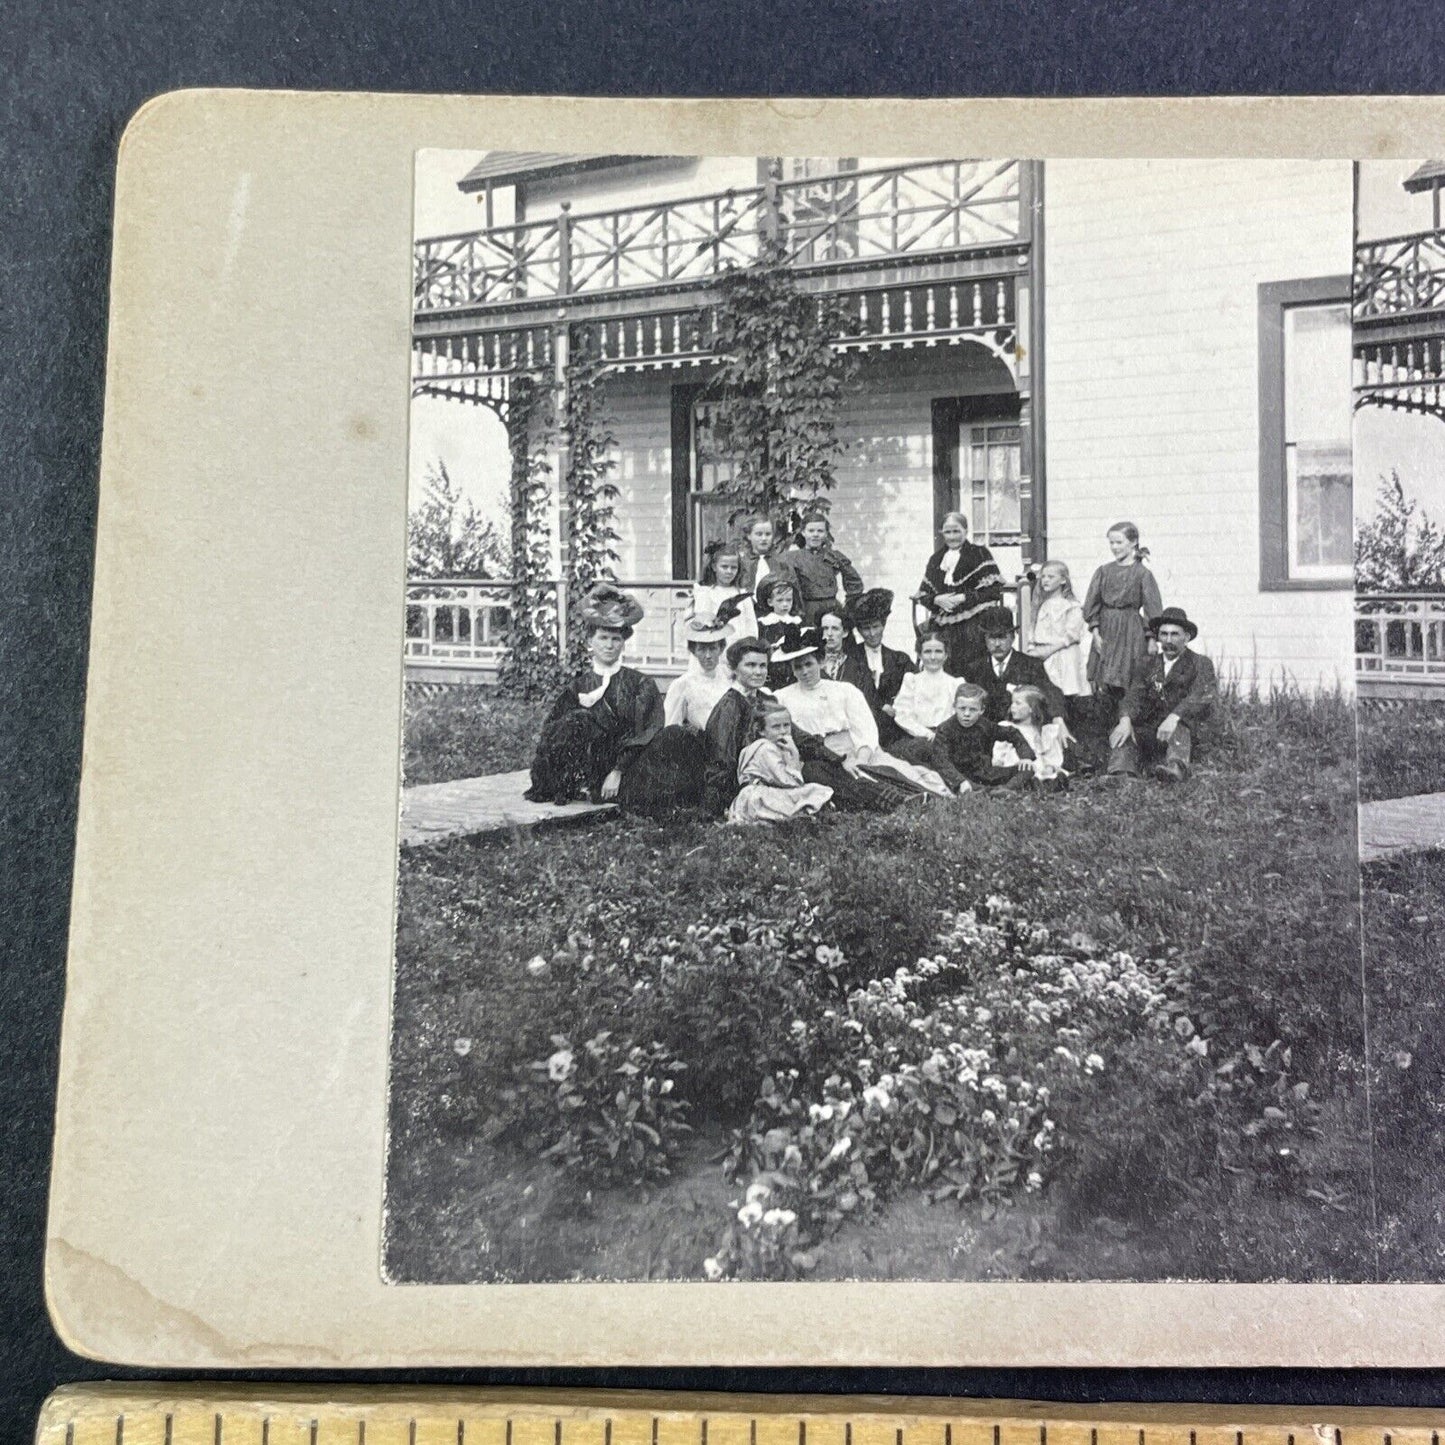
pixel 1050 346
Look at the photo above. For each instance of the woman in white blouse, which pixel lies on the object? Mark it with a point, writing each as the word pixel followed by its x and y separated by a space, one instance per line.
pixel 838 713
pixel 691 696
pixel 924 700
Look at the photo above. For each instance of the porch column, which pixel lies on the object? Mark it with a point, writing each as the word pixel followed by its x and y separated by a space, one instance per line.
pixel 560 340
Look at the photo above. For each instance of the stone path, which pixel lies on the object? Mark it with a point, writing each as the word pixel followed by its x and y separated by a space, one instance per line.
pixel 1400 825
pixel 435 812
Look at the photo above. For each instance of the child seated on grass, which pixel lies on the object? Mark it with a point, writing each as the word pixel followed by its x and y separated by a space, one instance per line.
pixel 963 746
pixel 1048 740
pixel 771 774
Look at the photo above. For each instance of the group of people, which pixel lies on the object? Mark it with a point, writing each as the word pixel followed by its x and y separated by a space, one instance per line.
pixel 792 702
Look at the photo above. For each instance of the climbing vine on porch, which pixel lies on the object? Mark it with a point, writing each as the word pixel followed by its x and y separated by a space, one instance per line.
pixel 778 387
pixel 529 666
pixel 592 539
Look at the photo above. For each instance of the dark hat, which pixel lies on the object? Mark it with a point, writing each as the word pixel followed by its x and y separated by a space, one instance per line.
pixel 608 606
pixel 1177 616
pixel 704 629
pixel 776 578
pixel 798 642
pixel 874 605
pixel 995 621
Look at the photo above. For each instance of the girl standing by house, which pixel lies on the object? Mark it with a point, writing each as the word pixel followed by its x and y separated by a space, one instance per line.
pixel 720 592
pixel 821 570
pixel 1058 640
pixel 758 556
pixel 1122 595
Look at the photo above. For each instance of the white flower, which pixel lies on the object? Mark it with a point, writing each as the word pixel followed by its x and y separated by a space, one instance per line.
pixel 988 1117
pixel 876 1094
pixel 538 966
pixel 758 1191
pixel 624 944
pixel 750 1214
pixel 1034 1181
pixel 712 1269
pixel 819 1113
pixel 779 1218
pixel 798 1028
pixel 840 1148
pixel 462 1047
pixel 1093 1064
pixel 559 1066
pixel 666 1086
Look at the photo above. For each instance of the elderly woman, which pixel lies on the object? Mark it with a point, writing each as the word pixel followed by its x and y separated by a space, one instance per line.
pixel 838 713
pixel 604 719
pixel 960 581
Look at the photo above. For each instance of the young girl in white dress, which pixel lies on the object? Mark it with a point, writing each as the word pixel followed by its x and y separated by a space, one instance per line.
pixel 720 593
pixel 1049 740
pixel 1058 639
pixel 771 774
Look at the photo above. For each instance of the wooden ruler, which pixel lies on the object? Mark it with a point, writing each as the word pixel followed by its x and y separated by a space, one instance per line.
pixel 318 1415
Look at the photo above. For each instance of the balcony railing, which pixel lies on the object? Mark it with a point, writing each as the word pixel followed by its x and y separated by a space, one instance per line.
pixel 891 213
pixel 1400 637
pixel 1399 276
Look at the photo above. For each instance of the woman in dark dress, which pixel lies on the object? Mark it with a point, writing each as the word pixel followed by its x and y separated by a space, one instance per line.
pixel 960 581
pixel 603 721
pixel 776 605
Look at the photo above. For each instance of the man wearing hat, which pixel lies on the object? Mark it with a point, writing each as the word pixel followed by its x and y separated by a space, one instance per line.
pixel 1003 668
pixel 876 671
pixel 1165 704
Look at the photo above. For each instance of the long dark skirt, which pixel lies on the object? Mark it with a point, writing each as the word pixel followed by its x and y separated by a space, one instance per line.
pixel 666 775
pixel 854 795
pixel 574 754
pixel 965 653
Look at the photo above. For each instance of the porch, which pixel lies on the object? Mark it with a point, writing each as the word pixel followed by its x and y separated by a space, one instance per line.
pixel 1400 644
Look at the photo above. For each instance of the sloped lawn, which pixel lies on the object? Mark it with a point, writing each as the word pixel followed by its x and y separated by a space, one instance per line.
pixel 613 1040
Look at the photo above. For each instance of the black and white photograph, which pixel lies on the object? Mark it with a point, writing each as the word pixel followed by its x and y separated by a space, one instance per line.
pixel 879 781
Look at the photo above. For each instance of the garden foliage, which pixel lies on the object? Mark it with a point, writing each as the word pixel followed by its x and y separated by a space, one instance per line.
pixel 1400 547
pixel 446 536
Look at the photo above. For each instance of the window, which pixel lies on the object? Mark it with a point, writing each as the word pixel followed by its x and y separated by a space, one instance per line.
pixel 699 514
pixel 980 469
pixel 1305 407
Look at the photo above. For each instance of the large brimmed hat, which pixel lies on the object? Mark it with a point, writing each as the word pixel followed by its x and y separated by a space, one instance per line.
pixel 704 629
pixel 609 606
pixel 798 642
pixel 1177 616
pixel 874 605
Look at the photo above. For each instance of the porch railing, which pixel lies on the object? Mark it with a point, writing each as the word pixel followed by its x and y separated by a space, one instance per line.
pixel 463 623
pixel 892 212
pixel 1400 637
pixel 1399 276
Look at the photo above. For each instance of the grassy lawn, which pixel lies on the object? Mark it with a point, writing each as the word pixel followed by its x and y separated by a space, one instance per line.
pixel 1404 918
pixel 465 732
pixel 1402 749
pixel 1242 887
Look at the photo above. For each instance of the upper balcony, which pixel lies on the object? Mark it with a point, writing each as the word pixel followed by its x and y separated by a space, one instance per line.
pixel 935 221
pixel 1398 311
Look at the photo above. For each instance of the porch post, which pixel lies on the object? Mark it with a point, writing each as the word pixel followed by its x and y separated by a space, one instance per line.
pixel 560 340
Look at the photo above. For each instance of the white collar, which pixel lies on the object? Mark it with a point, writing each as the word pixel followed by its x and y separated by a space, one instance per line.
pixel 588 699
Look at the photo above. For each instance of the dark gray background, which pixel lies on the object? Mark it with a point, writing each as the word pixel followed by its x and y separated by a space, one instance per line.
pixel 73 73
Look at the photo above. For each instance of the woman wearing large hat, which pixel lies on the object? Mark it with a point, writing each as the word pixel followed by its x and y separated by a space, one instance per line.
pixel 604 719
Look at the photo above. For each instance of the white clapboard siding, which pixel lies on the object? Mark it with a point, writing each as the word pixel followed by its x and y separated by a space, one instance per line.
pixel 638 411
pixel 1151 383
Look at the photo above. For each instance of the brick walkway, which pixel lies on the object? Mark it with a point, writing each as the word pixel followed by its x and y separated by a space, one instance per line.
pixel 1400 825
pixel 435 812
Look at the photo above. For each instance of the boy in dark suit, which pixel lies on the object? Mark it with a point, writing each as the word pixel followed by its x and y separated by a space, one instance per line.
pixel 876 671
pixel 961 752
pixel 1165 704
pixel 1005 668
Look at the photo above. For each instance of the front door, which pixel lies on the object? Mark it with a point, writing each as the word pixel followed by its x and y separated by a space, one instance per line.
pixel 980 471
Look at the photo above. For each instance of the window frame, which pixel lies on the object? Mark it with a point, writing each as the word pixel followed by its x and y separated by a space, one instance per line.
pixel 1275 527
